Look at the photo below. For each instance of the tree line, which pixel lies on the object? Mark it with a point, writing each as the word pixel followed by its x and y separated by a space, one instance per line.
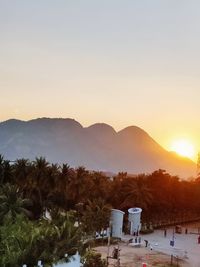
pixel 30 190
pixel 51 185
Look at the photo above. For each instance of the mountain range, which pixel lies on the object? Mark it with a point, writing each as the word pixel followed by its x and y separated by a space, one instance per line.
pixel 97 147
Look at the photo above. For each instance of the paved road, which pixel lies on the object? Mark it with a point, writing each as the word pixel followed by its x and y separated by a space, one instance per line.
pixel 184 244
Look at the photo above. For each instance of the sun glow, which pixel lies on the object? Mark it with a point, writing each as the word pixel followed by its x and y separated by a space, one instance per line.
pixel 184 148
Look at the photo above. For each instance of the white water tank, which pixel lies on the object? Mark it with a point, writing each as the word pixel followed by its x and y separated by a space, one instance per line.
pixel 117 217
pixel 134 217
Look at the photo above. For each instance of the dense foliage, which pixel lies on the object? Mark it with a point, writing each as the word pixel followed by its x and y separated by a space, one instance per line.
pixel 24 241
pixel 29 190
pixel 93 259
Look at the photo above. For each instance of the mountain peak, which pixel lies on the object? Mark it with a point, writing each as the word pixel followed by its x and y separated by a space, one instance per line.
pixel 134 132
pixel 133 128
pixel 12 121
pixel 45 120
pixel 97 147
pixel 103 127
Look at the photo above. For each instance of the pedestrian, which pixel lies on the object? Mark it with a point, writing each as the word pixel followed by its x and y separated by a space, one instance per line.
pixel 165 232
pixel 139 239
pixel 186 231
pixel 146 243
pixel 115 253
pixel 136 240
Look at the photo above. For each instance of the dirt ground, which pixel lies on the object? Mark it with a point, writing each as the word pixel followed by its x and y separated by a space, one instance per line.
pixel 135 257
pixel 186 249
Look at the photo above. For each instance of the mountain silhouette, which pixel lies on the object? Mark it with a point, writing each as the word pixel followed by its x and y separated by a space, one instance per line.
pixel 97 147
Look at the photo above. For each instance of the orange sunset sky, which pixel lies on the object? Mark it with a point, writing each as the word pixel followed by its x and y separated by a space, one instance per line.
pixel 119 62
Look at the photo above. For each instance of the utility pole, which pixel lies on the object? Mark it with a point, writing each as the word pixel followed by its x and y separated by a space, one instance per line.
pixel 108 245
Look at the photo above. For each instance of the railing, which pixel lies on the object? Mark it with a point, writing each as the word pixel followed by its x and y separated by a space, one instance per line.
pixel 170 221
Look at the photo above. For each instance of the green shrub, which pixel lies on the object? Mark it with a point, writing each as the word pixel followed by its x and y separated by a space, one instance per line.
pixel 93 259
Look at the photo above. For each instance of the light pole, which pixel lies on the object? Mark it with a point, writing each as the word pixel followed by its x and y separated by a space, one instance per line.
pixel 108 245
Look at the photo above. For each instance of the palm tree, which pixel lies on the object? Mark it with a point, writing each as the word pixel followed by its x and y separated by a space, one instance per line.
pixel 67 173
pixel 116 190
pixel 25 241
pixel 49 187
pixel 63 237
pixel 101 186
pixel 6 171
pixel 52 175
pixel 136 192
pixel 22 169
pixel 69 237
pixel 65 177
pixel 96 216
pixel 79 185
pixel 41 165
pixel 1 169
pixel 11 202
pixel 40 177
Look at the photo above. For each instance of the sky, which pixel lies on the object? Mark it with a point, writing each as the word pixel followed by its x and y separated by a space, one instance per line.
pixel 119 62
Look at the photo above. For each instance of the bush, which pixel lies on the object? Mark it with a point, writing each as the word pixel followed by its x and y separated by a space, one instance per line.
pixel 102 242
pixel 93 259
pixel 146 231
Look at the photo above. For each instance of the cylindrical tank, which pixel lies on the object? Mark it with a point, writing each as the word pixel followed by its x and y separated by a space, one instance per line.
pixel 134 217
pixel 117 217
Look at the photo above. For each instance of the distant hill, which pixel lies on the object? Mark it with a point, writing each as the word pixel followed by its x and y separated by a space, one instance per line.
pixel 98 147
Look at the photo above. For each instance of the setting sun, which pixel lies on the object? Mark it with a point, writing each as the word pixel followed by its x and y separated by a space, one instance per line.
pixel 184 148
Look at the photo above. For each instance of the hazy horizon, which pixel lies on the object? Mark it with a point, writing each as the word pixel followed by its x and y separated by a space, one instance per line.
pixel 115 129
pixel 130 63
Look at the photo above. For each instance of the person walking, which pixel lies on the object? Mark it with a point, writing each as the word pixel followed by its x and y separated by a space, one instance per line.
pixel 165 232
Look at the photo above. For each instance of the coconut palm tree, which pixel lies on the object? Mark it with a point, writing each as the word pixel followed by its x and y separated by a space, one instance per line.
pixel 101 186
pixel 96 216
pixel 49 184
pixel 1 169
pixel 11 202
pixel 67 173
pixel 115 192
pixel 24 241
pixel 62 190
pixel 69 237
pixel 79 186
pixel 22 168
pixel 40 168
pixel 6 171
pixel 40 176
pixel 136 193
pixel 49 187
